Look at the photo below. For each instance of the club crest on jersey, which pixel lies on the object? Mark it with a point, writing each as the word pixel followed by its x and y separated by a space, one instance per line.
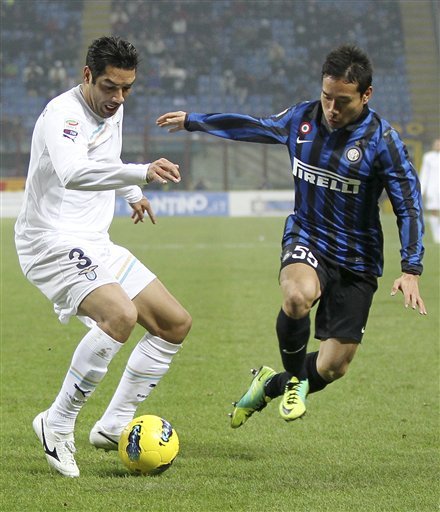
pixel 70 130
pixel 353 154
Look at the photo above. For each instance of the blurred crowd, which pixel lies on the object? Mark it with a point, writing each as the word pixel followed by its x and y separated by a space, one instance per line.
pixel 40 41
pixel 235 48
pixel 261 56
pixel 264 54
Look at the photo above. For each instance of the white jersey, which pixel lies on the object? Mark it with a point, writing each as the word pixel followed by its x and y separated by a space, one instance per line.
pixel 430 180
pixel 74 170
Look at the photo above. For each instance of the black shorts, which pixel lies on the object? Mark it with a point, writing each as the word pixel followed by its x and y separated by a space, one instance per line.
pixel 346 295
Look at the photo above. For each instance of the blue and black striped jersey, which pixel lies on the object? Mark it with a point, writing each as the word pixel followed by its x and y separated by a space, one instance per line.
pixel 339 177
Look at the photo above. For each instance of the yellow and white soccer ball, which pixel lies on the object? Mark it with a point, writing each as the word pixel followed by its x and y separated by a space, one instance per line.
pixel 148 445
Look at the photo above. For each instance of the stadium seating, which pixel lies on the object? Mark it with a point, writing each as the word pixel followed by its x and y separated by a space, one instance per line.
pixel 258 57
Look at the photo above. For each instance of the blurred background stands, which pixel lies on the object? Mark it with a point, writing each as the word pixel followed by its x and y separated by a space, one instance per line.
pixel 257 57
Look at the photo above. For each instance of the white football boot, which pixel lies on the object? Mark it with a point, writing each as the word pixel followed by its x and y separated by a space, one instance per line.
pixel 103 439
pixel 58 448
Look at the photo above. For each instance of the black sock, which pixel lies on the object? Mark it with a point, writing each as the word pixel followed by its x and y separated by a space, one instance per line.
pixel 293 336
pixel 316 382
pixel 275 386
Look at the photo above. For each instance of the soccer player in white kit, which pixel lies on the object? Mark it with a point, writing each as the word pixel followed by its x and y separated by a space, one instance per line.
pixel 430 184
pixel 64 249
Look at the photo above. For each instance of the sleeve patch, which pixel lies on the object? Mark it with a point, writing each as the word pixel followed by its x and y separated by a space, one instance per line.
pixel 70 130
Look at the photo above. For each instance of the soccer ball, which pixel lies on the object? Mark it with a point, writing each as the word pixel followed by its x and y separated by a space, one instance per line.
pixel 148 445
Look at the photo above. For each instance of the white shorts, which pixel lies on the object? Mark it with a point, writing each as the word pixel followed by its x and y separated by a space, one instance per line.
pixel 71 269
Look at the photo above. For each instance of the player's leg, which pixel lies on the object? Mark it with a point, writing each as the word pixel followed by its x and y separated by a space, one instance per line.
pixel 329 363
pixel 334 358
pixel 315 379
pixel 112 310
pixel 160 313
pixel 341 320
pixel 115 316
pixel 321 368
pixel 301 288
pixel 62 281
pixel 167 323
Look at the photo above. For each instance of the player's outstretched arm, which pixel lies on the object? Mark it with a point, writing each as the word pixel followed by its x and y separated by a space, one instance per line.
pixel 408 284
pixel 174 121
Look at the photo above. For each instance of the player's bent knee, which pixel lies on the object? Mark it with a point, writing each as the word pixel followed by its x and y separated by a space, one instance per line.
pixel 120 323
pixel 177 331
pixel 182 326
pixel 188 324
pixel 296 304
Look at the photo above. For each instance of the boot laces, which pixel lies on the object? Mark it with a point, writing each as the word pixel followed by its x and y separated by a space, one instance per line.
pixel 292 392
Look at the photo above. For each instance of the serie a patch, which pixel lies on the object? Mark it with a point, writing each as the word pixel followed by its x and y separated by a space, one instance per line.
pixel 70 130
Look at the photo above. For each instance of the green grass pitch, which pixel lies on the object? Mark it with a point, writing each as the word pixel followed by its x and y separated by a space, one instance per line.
pixel 369 442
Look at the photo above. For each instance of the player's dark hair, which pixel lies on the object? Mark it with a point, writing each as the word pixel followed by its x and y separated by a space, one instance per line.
pixel 351 64
pixel 110 51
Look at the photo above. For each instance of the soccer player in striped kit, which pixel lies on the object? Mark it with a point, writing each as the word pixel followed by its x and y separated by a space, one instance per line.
pixel 343 156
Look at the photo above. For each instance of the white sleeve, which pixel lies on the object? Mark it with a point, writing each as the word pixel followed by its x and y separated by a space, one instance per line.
pixel 69 157
pixel 131 194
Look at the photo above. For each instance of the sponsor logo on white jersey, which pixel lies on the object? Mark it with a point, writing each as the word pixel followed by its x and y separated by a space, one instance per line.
pixel 325 178
pixel 70 130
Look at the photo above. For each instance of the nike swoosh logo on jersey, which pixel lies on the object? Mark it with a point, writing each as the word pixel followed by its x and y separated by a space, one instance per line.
pixel 300 141
pixel 293 351
pixel 52 453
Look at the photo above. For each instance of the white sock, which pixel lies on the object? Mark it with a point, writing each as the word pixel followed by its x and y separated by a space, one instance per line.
pixel 88 367
pixel 147 364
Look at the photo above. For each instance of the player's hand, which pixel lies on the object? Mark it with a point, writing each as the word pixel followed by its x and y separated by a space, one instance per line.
pixel 139 208
pixel 162 171
pixel 174 121
pixel 408 284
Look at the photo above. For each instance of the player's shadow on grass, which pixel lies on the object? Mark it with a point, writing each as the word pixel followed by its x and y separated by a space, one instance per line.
pixel 124 473
pixel 220 449
pixel 196 452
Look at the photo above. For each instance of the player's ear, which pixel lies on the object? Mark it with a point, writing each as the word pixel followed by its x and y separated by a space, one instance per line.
pixel 367 95
pixel 87 75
